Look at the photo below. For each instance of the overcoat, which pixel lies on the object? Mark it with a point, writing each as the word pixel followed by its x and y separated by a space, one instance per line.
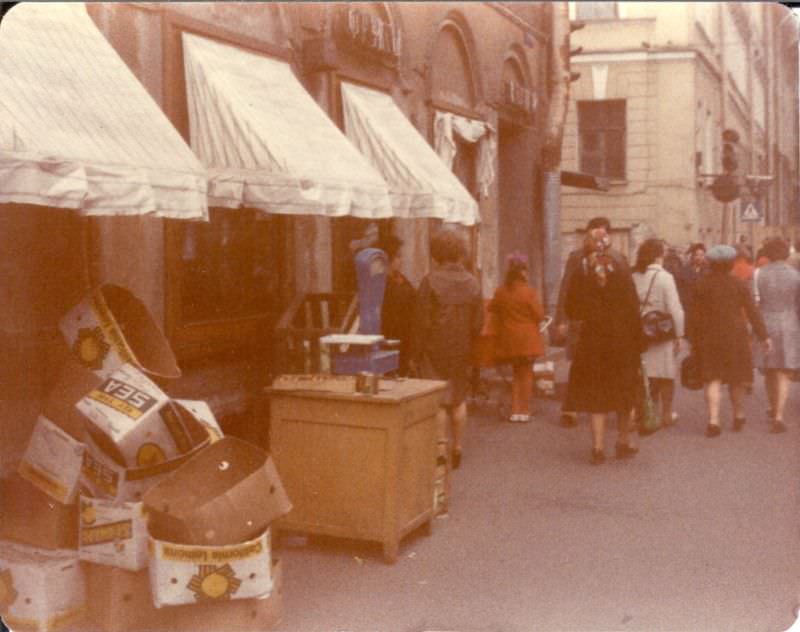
pixel 604 375
pixel 779 304
pixel 717 328
pixel 659 359
pixel 517 312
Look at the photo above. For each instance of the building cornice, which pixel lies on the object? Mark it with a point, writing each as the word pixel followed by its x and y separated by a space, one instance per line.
pixel 512 16
pixel 623 56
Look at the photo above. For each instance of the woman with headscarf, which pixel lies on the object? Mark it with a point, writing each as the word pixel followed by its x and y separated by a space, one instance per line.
pixel 517 312
pixel 779 304
pixel 657 291
pixel 717 331
pixel 604 376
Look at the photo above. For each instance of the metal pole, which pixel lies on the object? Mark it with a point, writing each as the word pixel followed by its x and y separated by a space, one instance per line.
pixel 552 238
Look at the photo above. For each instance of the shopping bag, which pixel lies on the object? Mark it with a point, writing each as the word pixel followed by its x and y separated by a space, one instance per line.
pixel 647 417
pixel 690 373
pixel 544 378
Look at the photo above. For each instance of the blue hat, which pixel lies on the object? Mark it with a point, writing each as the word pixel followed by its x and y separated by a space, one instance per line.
pixel 721 253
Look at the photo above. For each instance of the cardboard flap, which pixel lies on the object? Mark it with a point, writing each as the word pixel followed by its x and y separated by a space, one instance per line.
pixel 111 327
pixel 73 383
pixel 224 494
pixel 146 340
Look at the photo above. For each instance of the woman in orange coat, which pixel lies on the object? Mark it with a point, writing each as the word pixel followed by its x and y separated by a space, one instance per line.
pixel 517 312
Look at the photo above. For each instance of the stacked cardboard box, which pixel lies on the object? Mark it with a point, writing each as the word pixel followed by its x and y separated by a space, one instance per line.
pixel 76 547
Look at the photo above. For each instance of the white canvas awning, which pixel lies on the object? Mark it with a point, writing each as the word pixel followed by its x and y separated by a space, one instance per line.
pixel 266 143
pixel 78 130
pixel 420 184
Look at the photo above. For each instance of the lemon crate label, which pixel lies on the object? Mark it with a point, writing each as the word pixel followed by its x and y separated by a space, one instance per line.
pixel 44 481
pixel 124 398
pixel 111 532
pixel 210 554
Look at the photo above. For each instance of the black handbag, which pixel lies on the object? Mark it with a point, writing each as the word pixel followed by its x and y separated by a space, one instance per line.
pixel 690 373
pixel 657 326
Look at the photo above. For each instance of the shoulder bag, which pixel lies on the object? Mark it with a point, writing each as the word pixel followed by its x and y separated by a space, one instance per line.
pixel 657 326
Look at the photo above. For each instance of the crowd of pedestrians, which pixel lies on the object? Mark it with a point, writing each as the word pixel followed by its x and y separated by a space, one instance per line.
pixel 629 333
pixel 720 301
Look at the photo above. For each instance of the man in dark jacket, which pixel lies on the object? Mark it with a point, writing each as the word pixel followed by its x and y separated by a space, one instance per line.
pixel 399 298
pixel 449 316
pixel 567 331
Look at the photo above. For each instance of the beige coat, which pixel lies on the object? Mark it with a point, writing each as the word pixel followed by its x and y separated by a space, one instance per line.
pixel 660 360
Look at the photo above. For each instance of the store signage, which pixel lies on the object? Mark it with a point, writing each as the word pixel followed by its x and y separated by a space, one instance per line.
pixel 369 31
pixel 519 97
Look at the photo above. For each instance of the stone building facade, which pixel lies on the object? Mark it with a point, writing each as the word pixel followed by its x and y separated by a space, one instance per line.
pixel 219 288
pixel 659 84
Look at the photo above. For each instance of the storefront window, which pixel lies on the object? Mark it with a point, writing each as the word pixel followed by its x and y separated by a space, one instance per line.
pixel 226 272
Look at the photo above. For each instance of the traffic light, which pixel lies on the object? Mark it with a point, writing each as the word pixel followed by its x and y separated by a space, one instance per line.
pixel 730 158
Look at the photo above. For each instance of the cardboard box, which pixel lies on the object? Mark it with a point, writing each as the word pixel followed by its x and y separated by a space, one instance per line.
pixel 105 478
pixel 73 382
pixel 134 421
pixel 224 494
pixel 441 480
pixel 112 327
pixel 113 534
pixel 121 601
pixel 184 574
pixel 52 461
pixel 29 516
pixel 202 413
pixel 40 589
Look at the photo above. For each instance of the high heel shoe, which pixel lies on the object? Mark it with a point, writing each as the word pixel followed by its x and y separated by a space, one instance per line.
pixel 625 451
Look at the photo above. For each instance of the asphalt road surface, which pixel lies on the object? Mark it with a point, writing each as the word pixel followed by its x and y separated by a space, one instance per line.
pixel 691 534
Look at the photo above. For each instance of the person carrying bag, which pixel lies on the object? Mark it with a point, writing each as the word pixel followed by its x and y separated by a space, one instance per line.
pixel 662 319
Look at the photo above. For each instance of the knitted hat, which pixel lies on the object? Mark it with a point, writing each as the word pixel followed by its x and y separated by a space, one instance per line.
pixel 721 253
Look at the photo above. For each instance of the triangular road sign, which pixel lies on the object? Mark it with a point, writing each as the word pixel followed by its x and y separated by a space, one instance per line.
pixel 751 213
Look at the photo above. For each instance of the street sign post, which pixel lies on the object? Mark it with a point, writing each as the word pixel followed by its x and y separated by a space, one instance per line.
pixel 751 211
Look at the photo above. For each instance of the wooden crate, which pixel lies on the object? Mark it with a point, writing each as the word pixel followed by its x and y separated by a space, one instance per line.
pixel 358 466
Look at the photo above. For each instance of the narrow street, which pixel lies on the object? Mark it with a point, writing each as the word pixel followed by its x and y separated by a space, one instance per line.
pixel 692 534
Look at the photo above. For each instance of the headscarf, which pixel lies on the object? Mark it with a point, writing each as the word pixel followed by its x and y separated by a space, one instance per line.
pixel 597 261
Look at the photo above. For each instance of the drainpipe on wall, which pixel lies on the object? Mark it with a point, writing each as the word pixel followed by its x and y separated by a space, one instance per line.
pixel 560 79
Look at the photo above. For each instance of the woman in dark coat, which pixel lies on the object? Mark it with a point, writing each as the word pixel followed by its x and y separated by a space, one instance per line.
pixel 717 331
pixel 604 376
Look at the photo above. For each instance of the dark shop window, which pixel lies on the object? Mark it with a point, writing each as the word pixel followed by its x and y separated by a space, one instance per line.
pixel 601 130
pixel 227 279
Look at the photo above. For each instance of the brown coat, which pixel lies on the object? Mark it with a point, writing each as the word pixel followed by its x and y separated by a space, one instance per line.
pixel 517 312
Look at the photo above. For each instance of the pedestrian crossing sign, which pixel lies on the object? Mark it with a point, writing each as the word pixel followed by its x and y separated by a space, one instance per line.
pixel 751 212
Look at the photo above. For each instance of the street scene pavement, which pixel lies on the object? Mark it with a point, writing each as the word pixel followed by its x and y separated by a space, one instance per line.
pixel 691 534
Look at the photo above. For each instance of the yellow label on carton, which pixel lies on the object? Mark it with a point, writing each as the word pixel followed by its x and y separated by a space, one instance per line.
pixel 214 582
pixel 101 475
pixel 44 481
pixel 178 553
pixel 111 532
pixel 117 404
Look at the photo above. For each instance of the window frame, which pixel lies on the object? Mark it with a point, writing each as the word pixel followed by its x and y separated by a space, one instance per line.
pixel 587 6
pixel 243 334
pixel 604 130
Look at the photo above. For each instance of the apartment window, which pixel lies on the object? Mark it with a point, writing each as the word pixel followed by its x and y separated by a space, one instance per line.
pixel 601 128
pixel 596 10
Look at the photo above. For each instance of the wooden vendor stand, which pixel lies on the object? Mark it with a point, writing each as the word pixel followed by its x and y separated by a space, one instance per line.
pixel 356 465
